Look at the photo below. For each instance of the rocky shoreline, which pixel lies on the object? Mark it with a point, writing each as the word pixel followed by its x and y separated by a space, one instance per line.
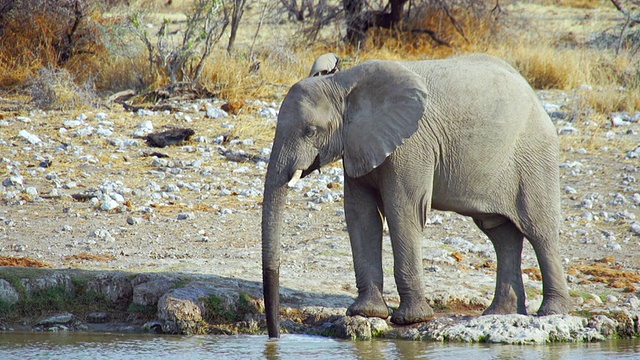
pixel 131 234
pixel 186 305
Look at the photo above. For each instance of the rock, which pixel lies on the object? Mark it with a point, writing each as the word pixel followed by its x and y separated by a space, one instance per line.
pixel 108 204
pixel 145 112
pixel 169 137
pixel 98 317
pixel 132 220
pixel 352 327
pixel 268 113
pixel 154 327
pixel 567 130
pixel 116 287
pixel 633 302
pixel 184 309
pixel 512 329
pixel 48 281
pixel 147 289
pixel 143 129
pixel 64 318
pixel 186 216
pixel 216 113
pixel 33 139
pixel 13 181
pixel 604 325
pixel 596 298
pixel 8 294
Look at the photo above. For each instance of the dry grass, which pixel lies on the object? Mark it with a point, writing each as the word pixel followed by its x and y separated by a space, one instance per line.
pixel 89 257
pixel 606 271
pixel 546 67
pixel 22 262
pixel 266 73
pixel 55 89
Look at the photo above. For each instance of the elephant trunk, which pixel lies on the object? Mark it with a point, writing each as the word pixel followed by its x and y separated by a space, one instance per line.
pixel 273 206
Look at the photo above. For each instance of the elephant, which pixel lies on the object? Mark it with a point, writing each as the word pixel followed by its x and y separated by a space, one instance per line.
pixel 325 64
pixel 465 134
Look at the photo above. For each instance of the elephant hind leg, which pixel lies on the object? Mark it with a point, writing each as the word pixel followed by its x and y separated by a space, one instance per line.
pixel 507 239
pixel 555 293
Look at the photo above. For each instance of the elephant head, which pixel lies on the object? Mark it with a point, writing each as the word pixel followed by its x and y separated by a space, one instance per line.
pixel 325 64
pixel 360 115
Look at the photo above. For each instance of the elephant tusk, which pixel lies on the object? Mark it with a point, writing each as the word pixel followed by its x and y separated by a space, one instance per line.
pixel 294 179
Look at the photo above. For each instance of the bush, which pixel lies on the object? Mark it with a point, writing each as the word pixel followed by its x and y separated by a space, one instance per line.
pixel 54 89
pixel 40 33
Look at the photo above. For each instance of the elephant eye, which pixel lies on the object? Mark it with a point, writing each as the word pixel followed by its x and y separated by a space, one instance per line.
pixel 310 131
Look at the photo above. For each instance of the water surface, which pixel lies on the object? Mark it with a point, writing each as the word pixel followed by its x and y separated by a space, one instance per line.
pixel 34 345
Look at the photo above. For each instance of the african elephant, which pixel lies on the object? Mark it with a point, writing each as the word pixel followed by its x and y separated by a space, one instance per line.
pixel 325 64
pixel 466 134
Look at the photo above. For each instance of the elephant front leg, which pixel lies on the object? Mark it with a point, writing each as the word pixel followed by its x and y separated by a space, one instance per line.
pixel 364 224
pixel 405 229
pixel 509 297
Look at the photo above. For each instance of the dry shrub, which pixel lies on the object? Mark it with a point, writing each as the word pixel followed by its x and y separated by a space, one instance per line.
pixel 122 73
pixel 48 33
pixel 605 271
pixel 54 89
pixel 610 99
pixel 22 261
pixel 546 67
pixel 237 78
pixel 433 32
pixel 616 83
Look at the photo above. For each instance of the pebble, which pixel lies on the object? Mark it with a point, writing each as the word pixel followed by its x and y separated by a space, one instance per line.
pixel 33 139
pixel 108 204
pixel 268 113
pixel 143 129
pixel 595 298
pixel 216 113
pixel 186 216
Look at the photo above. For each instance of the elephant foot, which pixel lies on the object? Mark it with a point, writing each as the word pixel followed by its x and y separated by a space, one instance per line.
pixel 505 309
pixel 369 305
pixel 412 312
pixel 555 306
pixel 506 305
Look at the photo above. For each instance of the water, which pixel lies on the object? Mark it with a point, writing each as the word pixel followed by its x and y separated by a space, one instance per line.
pixel 31 345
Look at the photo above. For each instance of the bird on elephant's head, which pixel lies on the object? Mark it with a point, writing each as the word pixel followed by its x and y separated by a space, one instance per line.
pixel 465 134
pixel 325 64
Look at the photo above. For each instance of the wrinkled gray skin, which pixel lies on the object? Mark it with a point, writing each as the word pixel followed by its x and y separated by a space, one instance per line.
pixel 325 64
pixel 465 134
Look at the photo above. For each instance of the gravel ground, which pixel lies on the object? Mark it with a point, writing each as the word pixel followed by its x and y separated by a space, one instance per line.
pixel 84 190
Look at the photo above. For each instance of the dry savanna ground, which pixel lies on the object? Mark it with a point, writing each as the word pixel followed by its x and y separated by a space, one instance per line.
pixel 198 209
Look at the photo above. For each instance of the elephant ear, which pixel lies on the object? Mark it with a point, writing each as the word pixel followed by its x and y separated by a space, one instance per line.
pixel 382 110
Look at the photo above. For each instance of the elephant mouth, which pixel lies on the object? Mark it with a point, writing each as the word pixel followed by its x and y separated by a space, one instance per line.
pixel 299 174
pixel 314 166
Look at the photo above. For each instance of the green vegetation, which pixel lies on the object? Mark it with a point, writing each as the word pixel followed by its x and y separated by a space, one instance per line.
pixel 218 311
pixel 221 312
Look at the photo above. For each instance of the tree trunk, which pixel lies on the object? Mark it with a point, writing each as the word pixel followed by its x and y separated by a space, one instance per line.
pixel 358 22
pixel 236 16
pixel 356 29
